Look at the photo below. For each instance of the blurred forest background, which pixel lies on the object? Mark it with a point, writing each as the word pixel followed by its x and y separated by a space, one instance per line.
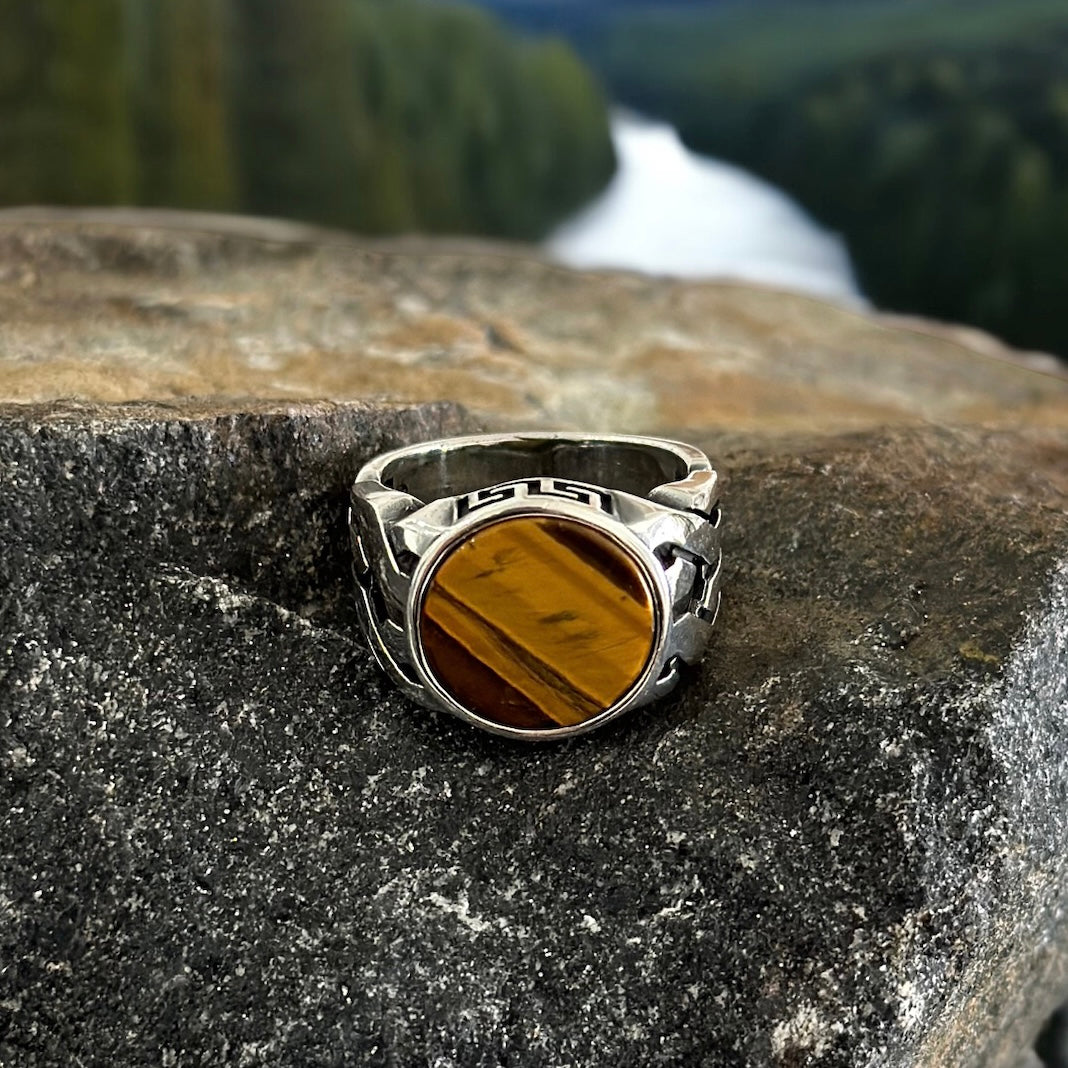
pixel 375 116
pixel 932 134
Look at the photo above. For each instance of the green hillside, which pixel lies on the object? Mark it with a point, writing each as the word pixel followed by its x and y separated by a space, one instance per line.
pixel 354 113
pixel 934 136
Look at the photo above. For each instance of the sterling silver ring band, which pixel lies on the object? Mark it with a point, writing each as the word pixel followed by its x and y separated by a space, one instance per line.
pixel 537 585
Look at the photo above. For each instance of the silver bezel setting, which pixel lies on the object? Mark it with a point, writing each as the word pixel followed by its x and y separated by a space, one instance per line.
pixel 636 549
pixel 670 530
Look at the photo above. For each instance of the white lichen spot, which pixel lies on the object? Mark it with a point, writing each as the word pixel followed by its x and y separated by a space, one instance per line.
pixel 229 602
pixel 461 910
pixel 911 1005
pixel 805 1030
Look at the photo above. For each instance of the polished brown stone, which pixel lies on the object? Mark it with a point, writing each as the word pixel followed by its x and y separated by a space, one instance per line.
pixel 538 622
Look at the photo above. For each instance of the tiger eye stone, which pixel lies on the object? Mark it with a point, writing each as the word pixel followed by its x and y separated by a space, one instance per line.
pixel 538 622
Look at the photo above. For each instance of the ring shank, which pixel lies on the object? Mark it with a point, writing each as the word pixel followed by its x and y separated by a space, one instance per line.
pixel 632 465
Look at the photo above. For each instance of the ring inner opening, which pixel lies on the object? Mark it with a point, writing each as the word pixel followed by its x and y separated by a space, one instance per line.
pixel 617 465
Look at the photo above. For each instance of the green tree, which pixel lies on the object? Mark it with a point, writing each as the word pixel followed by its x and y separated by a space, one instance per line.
pixel 65 133
pixel 316 114
pixel 179 103
pixel 356 113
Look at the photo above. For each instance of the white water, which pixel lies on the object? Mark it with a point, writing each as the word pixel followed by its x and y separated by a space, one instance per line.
pixel 669 211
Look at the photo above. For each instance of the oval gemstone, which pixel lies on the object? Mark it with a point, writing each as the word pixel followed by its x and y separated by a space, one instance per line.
pixel 538 622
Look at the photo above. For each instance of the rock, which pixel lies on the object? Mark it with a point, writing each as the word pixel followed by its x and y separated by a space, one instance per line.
pixel 105 306
pixel 1029 1059
pixel 224 837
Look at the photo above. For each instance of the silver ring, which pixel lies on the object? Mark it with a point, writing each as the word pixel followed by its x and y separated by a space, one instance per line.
pixel 537 585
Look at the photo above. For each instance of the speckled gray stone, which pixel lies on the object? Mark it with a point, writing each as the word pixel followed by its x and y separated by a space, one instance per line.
pixel 225 839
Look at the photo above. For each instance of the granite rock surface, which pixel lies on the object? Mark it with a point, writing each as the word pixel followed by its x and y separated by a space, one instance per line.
pixel 226 839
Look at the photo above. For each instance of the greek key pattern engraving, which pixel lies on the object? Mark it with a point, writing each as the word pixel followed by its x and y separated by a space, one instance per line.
pixel 558 488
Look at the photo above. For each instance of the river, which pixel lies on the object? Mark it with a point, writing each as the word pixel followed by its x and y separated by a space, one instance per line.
pixel 669 211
